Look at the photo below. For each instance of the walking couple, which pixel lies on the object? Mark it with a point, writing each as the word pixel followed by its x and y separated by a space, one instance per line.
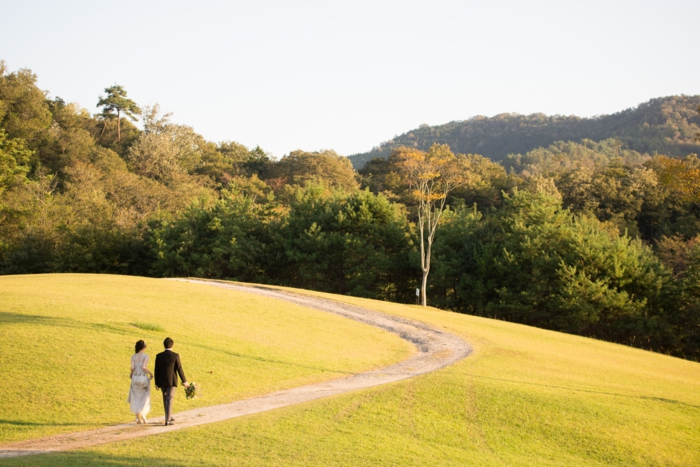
pixel 167 369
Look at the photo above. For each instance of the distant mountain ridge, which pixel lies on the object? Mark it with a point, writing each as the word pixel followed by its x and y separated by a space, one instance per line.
pixel 665 125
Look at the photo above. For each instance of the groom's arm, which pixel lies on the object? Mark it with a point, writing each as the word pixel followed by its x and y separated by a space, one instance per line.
pixel 180 372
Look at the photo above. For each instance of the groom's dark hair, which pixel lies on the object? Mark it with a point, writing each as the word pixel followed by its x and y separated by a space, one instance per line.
pixel 168 343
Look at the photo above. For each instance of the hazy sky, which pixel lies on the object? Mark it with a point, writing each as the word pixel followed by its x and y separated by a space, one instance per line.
pixel 347 75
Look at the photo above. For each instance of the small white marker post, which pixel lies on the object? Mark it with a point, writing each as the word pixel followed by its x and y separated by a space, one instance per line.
pixel 417 296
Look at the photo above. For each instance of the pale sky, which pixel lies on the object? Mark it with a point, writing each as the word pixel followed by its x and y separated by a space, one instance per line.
pixel 347 75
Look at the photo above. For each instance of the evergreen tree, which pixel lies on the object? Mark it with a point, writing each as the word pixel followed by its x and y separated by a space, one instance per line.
pixel 116 101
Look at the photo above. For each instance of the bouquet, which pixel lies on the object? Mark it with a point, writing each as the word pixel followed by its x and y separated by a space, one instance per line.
pixel 191 391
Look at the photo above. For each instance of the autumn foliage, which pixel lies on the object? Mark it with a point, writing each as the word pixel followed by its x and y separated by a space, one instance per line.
pixel 594 237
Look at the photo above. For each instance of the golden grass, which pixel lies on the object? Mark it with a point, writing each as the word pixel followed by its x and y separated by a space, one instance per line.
pixel 525 397
pixel 66 341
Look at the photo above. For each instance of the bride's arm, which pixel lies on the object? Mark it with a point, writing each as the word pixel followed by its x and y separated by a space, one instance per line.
pixel 132 368
pixel 145 367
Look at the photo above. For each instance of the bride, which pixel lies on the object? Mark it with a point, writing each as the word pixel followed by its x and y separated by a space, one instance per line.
pixel 140 393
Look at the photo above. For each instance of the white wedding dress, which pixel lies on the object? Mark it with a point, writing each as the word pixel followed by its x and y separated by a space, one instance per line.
pixel 140 392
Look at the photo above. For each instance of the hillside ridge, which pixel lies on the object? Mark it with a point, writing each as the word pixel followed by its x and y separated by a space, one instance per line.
pixel 665 125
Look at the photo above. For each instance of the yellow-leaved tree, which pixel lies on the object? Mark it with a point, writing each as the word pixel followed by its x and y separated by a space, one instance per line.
pixel 430 176
pixel 680 176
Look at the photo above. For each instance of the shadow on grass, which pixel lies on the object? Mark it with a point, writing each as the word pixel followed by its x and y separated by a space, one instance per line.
pixel 123 329
pixel 19 318
pixel 91 458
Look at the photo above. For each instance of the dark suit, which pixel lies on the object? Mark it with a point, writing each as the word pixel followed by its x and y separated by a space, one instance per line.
pixel 166 371
pixel 167 368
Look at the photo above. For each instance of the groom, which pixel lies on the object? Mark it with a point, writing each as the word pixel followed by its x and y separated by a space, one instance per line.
pixel 167 366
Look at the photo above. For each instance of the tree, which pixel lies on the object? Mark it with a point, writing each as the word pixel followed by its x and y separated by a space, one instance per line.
pixel 449 254
pixel 164 148
pixel 69 138
pixel 325 167
pixel 675 253
pixel 534 262
pixel 14 160
pixel 257 161
pixel 354 243
pixel 616 194
pixel 233 239
pixel 431 176
pixel 116 100
pixel 568 156
pixel 687 310
pixel 682 176
pixel 24 112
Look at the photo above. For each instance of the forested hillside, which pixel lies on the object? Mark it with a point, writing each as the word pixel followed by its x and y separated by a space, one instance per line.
pixel 579 232
pixel 665 125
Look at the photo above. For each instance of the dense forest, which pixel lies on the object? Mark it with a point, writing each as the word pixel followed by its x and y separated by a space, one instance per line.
pixel 595 233
pixel 661 126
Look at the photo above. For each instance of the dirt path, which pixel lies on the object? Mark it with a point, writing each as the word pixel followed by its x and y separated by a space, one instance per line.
pixel 436 349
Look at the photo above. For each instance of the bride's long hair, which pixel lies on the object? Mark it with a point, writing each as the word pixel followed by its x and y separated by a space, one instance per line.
pixel 140 345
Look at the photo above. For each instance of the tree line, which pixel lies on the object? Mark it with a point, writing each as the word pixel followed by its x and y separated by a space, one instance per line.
pixel 590 237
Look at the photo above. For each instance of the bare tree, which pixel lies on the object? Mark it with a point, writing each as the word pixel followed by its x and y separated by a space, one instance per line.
pixel 431 176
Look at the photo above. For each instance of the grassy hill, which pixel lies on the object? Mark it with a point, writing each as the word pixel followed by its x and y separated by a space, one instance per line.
pixel 667 125
pixel 66 341
pixel 525 397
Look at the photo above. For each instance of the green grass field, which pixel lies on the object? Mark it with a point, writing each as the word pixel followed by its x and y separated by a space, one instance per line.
pixel 66 341
pixel 525 397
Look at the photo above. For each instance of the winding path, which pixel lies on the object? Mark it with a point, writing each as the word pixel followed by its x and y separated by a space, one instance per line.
pixel 436 349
